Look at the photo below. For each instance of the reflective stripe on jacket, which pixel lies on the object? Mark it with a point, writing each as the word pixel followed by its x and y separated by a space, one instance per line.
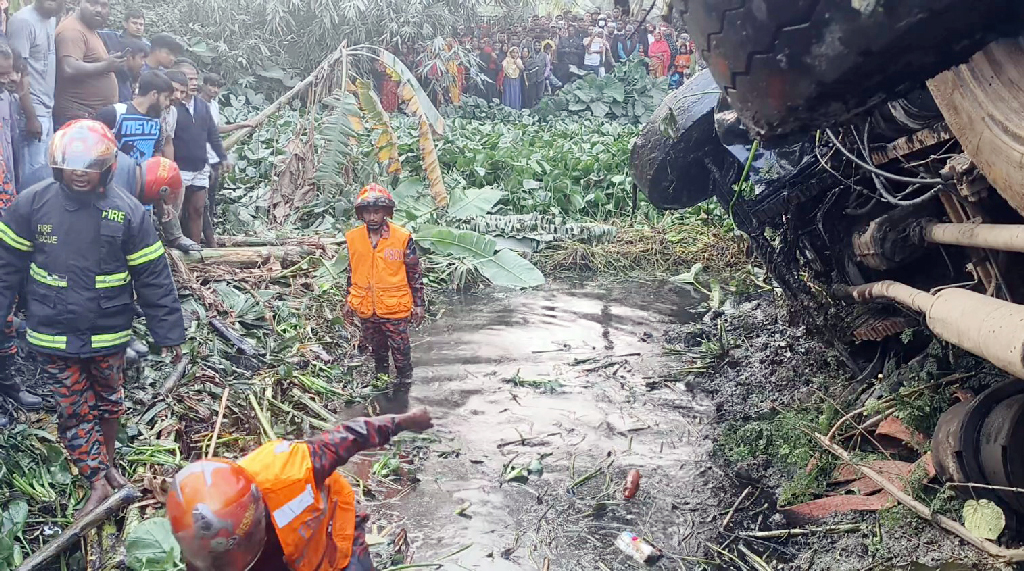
pixel 379 283
pixel 314 526
pixel 84 254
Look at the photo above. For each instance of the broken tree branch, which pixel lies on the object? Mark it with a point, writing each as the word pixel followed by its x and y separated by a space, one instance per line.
pixel 241 343
pixel 993 550
pixel 732 511
pixel 176 374
pixel 785 533
pixel 220 418
pixel 284 99
pixel 77 530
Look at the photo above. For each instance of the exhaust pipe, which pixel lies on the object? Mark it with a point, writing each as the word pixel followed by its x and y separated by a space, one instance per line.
pixel 1003 237
pixel 990 328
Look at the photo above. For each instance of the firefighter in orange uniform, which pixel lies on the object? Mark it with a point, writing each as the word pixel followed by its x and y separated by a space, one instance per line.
pixel 385 284
pixel 283 506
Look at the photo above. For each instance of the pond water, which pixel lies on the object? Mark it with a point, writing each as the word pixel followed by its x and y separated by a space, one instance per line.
pixel 567 375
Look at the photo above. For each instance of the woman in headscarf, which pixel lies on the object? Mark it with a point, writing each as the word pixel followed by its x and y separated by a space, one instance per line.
pixel 660 55
pixel 512 79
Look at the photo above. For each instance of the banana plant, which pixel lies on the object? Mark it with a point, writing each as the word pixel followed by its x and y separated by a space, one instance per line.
pixel 352 116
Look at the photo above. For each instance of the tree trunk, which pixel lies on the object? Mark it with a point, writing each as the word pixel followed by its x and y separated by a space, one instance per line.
pixel 248 241
pixel 247 257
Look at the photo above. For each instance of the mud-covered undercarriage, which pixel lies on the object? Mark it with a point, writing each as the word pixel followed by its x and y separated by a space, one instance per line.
pixel 895 210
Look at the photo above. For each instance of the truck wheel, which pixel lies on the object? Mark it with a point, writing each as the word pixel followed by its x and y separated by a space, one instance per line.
pixel 678 160
pixel 789 65
pixel 983 103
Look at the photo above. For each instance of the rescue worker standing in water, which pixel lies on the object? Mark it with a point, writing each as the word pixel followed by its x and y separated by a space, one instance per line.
pixel 284 506
pixel 85 244
pixel 385 284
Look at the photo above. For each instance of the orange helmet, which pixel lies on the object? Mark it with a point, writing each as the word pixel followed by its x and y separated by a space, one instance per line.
pixel 374 194
pixel 217 515
pixel 161 180
pixel 84 145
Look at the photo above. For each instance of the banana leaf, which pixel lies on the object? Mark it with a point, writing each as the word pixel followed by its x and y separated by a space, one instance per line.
pixel 340 129
pixel 377 119
pixel 418 103
pixel 431 165
pixel 470 202
pixel 502 268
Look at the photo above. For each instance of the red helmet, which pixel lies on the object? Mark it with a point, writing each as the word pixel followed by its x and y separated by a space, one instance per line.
pixel 84 145
pixel 374 194
pixel 161 180
pixel 217 515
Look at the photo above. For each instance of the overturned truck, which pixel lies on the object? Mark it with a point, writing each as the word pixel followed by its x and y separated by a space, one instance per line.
pixel 875 150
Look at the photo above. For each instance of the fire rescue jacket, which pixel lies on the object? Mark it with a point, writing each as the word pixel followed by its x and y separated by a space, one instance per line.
pixel 379 283
pixel 314 526
pixel 84 254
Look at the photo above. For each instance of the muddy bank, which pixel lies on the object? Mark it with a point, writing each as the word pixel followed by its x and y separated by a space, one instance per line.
pixel 770 382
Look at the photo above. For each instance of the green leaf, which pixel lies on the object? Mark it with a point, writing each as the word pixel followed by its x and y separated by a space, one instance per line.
pixel 408 189
pixel 504 268
pixel 6 552
pixel 509 269
pixel 469 202
pixel 984 519
pixel 617 91
pixel 151 547
pixel 14 518
pixel 462 243
pixel 599 108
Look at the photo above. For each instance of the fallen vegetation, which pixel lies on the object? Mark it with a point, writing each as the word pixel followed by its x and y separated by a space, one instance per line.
pixel 268 355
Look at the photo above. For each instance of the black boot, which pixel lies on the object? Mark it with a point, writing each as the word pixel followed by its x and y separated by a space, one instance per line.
pixel 381 368
pixel 12 389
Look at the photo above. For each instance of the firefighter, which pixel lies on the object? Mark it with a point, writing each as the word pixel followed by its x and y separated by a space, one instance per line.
pixel 160 178
pixel 385 282
pixel 127 174
pixel 284 506
pixel 85 246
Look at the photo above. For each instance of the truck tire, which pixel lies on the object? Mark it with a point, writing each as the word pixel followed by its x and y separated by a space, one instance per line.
pixel 678 160
pixel 796 65
pixel 983 104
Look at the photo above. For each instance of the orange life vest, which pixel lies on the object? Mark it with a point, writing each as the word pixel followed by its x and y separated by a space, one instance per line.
pixel 315 526
pixel 379 284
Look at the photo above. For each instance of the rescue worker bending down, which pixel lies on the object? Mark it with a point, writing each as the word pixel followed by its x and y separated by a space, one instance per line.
pixel 84 244
pixel 284 506
pixel 385 282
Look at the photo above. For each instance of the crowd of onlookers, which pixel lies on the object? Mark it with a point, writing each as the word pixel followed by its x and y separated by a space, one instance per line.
pixel 61 65
pixel 519 64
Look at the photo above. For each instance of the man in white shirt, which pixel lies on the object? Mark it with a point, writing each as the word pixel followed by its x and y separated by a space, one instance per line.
pixel 594 50
pixel 210 91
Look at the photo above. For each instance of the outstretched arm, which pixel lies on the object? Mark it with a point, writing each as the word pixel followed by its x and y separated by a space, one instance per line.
pixel 332 449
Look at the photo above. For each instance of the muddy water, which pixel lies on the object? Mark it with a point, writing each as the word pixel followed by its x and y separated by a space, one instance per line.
pixel 567 375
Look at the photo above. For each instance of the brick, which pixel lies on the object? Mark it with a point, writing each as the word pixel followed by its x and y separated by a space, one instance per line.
pixel 817 510
pixel 893 427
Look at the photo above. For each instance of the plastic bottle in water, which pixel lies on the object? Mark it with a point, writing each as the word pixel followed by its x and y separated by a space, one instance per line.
pixel 637 548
